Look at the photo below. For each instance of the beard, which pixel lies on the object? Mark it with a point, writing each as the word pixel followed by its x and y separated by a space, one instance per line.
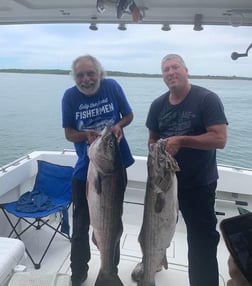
pixel 89 88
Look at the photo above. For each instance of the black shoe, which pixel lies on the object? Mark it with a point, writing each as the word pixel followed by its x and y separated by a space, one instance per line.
pixel 137 272
pixel 78 282
pixel 84 277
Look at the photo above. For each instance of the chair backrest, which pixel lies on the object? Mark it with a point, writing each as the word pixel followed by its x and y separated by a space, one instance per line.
pixel 54 180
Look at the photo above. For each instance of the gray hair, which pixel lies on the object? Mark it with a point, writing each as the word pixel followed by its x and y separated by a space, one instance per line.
pixel 96 63
pixel 172 56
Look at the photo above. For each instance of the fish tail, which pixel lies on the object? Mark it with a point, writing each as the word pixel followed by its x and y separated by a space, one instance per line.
pixel 108 279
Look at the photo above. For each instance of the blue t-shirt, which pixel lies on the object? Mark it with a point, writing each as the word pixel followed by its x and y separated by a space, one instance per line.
pixel 82 112
pixel 201 108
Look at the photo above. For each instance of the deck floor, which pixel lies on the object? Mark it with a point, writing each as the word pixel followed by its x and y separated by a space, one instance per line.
pixel 57 259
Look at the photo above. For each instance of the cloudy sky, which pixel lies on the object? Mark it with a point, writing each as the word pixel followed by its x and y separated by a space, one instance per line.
pixel 139 49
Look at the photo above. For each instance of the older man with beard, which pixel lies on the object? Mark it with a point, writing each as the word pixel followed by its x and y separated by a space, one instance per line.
pixel 87 108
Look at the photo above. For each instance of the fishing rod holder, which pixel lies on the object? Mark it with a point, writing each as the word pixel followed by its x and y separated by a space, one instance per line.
pixel 236 55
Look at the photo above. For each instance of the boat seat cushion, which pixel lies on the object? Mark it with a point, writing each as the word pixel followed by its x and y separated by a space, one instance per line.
pixel 12 252
pixel 36 278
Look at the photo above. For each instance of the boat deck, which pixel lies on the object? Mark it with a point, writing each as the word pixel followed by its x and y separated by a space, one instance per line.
pixel 57 259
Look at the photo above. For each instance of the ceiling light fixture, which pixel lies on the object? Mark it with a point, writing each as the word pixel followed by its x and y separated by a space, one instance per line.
pixel 198 22
pixel 93 27
pixel 236 19
pixel 122 27
pixel 166 27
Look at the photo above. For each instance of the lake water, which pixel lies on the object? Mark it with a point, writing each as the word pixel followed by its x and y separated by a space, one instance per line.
pixel 30 114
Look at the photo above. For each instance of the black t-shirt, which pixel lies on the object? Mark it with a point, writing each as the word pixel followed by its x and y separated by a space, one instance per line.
pixel 200 109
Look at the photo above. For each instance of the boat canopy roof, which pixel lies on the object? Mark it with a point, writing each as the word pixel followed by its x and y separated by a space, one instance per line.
pixel 162 12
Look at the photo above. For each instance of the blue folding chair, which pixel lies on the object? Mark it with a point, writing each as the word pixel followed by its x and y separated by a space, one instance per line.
pixel 51 194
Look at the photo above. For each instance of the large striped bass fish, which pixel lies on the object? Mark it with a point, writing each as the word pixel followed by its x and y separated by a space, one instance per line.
pixel 106 184
pixel 160 214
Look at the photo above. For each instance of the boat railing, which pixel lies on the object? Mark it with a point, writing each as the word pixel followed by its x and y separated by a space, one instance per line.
pixel 68 151
pixel 232 179
pixel 236 168
pixel 14 163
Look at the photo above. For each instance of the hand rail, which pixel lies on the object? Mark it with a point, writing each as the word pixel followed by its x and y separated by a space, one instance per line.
pixel 14 163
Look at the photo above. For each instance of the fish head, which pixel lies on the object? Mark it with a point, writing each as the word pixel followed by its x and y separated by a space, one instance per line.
pixel 104 152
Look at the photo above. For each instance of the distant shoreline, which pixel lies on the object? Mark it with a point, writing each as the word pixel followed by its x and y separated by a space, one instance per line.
pixel 117 73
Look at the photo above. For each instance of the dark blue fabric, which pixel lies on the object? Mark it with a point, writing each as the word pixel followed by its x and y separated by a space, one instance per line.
pixel 197 208
pixel 65 227
pixel 34 201
pixel 51 193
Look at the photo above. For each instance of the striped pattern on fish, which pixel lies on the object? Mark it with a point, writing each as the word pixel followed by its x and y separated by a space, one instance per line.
pixel 160 214
pixel 106 184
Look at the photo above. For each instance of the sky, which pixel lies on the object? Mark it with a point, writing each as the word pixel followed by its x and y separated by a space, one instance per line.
pixel 140 49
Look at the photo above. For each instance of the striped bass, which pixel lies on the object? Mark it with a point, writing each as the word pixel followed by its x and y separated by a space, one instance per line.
pixel 160 214
pixel 106 184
